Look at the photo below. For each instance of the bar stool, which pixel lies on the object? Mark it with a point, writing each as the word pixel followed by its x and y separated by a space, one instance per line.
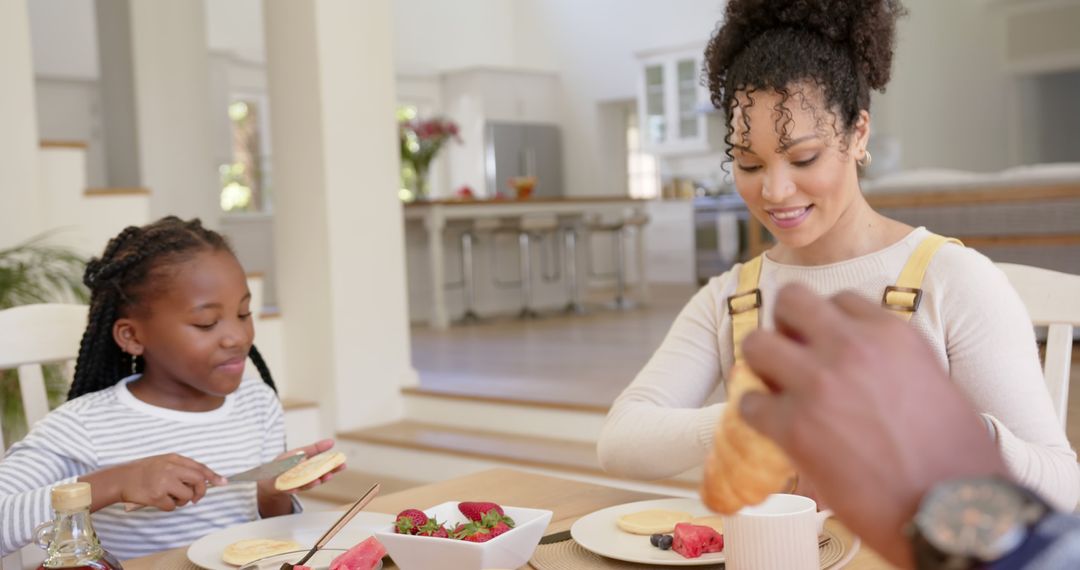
pixel 571 228
pixel 620 228
pixel 469 236
pixel 531 227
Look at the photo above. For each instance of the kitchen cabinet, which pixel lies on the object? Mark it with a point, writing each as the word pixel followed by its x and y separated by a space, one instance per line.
pixel 674 111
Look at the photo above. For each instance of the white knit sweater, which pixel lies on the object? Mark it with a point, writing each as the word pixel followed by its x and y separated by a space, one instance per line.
pixel 970 315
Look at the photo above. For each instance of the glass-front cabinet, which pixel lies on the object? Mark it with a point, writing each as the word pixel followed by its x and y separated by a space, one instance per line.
pixel 673 102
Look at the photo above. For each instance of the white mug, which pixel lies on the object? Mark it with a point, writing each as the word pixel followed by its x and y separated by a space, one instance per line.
pixel 779 534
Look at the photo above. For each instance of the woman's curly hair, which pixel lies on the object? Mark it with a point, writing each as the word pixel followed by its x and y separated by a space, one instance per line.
pixel 844 48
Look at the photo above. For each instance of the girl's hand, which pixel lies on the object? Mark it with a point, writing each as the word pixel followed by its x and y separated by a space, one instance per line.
pixel 164 482
pixel 273 502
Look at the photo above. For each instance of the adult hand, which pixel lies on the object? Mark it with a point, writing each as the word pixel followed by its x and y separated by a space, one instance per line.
pixel 863 409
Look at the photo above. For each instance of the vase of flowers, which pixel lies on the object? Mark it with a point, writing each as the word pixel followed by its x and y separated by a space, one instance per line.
pixel 420 141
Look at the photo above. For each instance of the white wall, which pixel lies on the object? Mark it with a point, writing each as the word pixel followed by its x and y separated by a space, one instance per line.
pixel 434 35
pixel 69 109
pixel 19 216
pixel 64 38
pixel 236 27
pixel 592 45
pixel 949 99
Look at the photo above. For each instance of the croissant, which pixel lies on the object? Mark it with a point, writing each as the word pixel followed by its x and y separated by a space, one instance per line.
pixel 744 467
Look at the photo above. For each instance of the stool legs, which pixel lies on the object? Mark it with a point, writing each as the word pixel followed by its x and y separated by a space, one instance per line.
pixel 468 278
pixel 573 303
pixel 621 301
pixel 525 259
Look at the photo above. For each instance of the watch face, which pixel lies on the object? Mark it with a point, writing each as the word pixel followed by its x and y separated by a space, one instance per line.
pixel 980 518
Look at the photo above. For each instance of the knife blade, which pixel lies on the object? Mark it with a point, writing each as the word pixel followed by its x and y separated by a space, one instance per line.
pixel 267 470
pixel 264 471
pixel 556 537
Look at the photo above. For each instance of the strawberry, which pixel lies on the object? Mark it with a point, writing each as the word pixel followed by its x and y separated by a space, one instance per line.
pixel 472 532
pixel 474 511
pixel 433 528
pixel 499 528
pixel 493 518
pixel 409 520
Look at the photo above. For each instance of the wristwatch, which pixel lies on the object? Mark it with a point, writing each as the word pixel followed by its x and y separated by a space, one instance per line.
pixel 966 523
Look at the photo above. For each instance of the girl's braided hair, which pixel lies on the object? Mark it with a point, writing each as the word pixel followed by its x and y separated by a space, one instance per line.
pixel 120 279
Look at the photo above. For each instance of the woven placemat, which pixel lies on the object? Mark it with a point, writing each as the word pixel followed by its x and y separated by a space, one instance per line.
pixel 569 555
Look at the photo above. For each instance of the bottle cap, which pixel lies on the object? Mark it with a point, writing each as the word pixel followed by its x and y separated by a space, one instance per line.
pixel 70 497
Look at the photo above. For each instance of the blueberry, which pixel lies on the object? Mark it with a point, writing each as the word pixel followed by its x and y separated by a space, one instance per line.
pixel 655 539
pixel 664 542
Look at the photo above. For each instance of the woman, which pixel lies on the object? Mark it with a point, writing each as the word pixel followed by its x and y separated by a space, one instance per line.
pixel 793 79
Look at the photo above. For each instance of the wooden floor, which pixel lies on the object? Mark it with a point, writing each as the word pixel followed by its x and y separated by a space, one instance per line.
pixel 586 359
pixel 569 359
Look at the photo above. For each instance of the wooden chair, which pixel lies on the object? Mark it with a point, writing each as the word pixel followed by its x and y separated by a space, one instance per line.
pixel 30 336
pixel 1053 300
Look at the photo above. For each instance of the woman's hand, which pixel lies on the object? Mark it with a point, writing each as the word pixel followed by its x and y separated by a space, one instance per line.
pixel 273 502
pixel 164 482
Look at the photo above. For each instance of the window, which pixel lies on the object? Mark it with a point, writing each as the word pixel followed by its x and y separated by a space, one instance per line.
pixel 243 187
pixel 641 168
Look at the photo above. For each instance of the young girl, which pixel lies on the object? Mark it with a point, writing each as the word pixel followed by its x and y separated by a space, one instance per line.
pixel 160 408
pixel 794 81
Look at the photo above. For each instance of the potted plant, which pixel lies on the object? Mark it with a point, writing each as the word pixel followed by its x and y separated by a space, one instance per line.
pixel 35 272
pixel 420 140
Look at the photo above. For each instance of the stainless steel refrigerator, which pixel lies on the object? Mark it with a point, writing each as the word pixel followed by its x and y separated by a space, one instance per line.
pixel 523 149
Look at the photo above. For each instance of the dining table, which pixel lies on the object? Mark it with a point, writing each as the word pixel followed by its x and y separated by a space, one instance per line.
pixel 568 500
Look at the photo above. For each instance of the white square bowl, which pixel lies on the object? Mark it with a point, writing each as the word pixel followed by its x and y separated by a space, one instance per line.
pixel 511 549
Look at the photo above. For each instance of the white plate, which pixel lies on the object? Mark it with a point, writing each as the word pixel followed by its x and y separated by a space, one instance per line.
pixel 597 532
pixel 304 528
pixel 319 561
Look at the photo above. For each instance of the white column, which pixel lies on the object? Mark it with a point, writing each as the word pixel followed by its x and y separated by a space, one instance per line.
pixel 19 205
pixel 156 97
pixel 339 235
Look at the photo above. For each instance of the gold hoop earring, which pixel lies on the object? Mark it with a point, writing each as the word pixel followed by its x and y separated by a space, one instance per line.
pixel 865 160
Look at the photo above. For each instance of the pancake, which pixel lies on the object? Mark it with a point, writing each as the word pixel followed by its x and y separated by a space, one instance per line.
pixel 309 471
pixel 653 521
pixel 247 551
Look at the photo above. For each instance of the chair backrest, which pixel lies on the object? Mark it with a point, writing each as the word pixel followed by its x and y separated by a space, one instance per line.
pixel 32 335
pixel 1053 300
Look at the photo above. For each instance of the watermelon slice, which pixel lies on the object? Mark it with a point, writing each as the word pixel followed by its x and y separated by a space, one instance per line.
pixel 363 556
pixel 692 540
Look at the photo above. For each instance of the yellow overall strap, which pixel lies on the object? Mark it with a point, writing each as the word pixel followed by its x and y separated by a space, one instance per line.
pixel 744 305
pixel 904 297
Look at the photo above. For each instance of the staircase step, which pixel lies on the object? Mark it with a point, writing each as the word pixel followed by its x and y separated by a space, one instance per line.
pixel 574 422
pixel 544 453
pixel 524 402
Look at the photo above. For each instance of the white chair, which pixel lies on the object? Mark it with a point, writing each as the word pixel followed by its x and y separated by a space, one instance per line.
pixel 30 336
pixel 1053 300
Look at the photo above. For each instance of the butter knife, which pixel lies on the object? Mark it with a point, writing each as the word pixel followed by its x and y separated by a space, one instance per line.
pixel 267 470
pixel 264 471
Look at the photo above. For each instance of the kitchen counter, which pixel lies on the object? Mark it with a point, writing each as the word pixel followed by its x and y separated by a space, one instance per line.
pixel 436 215
pixel 492 202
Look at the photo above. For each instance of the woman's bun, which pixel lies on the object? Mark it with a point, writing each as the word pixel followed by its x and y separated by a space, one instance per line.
pixel 865 28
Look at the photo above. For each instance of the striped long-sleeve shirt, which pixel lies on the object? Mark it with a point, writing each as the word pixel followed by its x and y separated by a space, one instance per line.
pixel 111 427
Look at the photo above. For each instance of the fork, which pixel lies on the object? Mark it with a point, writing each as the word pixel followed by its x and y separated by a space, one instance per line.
pixel 340 524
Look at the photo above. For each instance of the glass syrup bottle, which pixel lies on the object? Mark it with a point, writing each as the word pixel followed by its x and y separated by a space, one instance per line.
pixel 70 540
